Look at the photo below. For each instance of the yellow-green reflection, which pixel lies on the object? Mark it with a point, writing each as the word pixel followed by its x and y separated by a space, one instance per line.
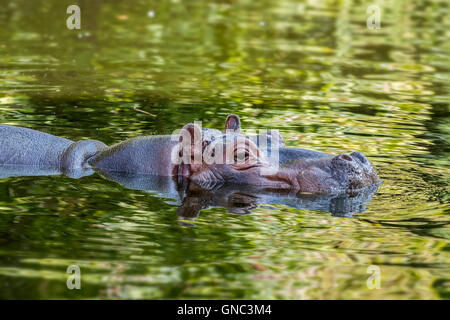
pixel 310 69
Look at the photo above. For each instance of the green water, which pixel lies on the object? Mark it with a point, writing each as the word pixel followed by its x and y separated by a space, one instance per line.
pixel 312 70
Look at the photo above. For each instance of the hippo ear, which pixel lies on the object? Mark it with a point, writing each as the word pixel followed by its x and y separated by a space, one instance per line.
pixel 233 123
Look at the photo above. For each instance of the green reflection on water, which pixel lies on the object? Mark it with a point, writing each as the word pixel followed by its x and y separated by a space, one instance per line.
pixel 310 69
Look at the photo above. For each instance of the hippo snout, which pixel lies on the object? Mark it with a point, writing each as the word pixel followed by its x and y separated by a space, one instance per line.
pixel 358 155
pixel 346 162
pixel 354 171
pixel 365 165
pixel 355 160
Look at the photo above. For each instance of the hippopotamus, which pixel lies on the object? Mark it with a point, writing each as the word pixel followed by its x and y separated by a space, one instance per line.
pixel 203 156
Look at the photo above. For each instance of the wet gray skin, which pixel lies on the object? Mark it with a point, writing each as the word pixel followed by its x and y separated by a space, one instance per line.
pixel 297 169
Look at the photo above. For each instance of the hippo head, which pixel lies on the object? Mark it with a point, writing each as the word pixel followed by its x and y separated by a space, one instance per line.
pixel 208 156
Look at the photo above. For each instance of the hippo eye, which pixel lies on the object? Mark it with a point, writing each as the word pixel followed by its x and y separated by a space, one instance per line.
pixel 241 155
pixel 246 154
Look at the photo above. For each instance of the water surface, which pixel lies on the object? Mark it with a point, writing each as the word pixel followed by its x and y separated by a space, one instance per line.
pixel 311 69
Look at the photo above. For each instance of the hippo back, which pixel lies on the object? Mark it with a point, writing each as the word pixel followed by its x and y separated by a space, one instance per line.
pixel 41 153
pixel 22 146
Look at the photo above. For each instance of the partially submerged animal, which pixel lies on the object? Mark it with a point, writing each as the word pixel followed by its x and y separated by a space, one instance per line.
pixel 202 156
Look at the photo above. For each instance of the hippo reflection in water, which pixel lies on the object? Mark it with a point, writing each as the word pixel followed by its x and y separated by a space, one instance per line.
pixel 191 198
pixel 192 157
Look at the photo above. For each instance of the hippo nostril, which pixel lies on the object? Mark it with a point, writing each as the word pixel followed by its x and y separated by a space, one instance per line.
pixel 345 157
pixel 359 156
